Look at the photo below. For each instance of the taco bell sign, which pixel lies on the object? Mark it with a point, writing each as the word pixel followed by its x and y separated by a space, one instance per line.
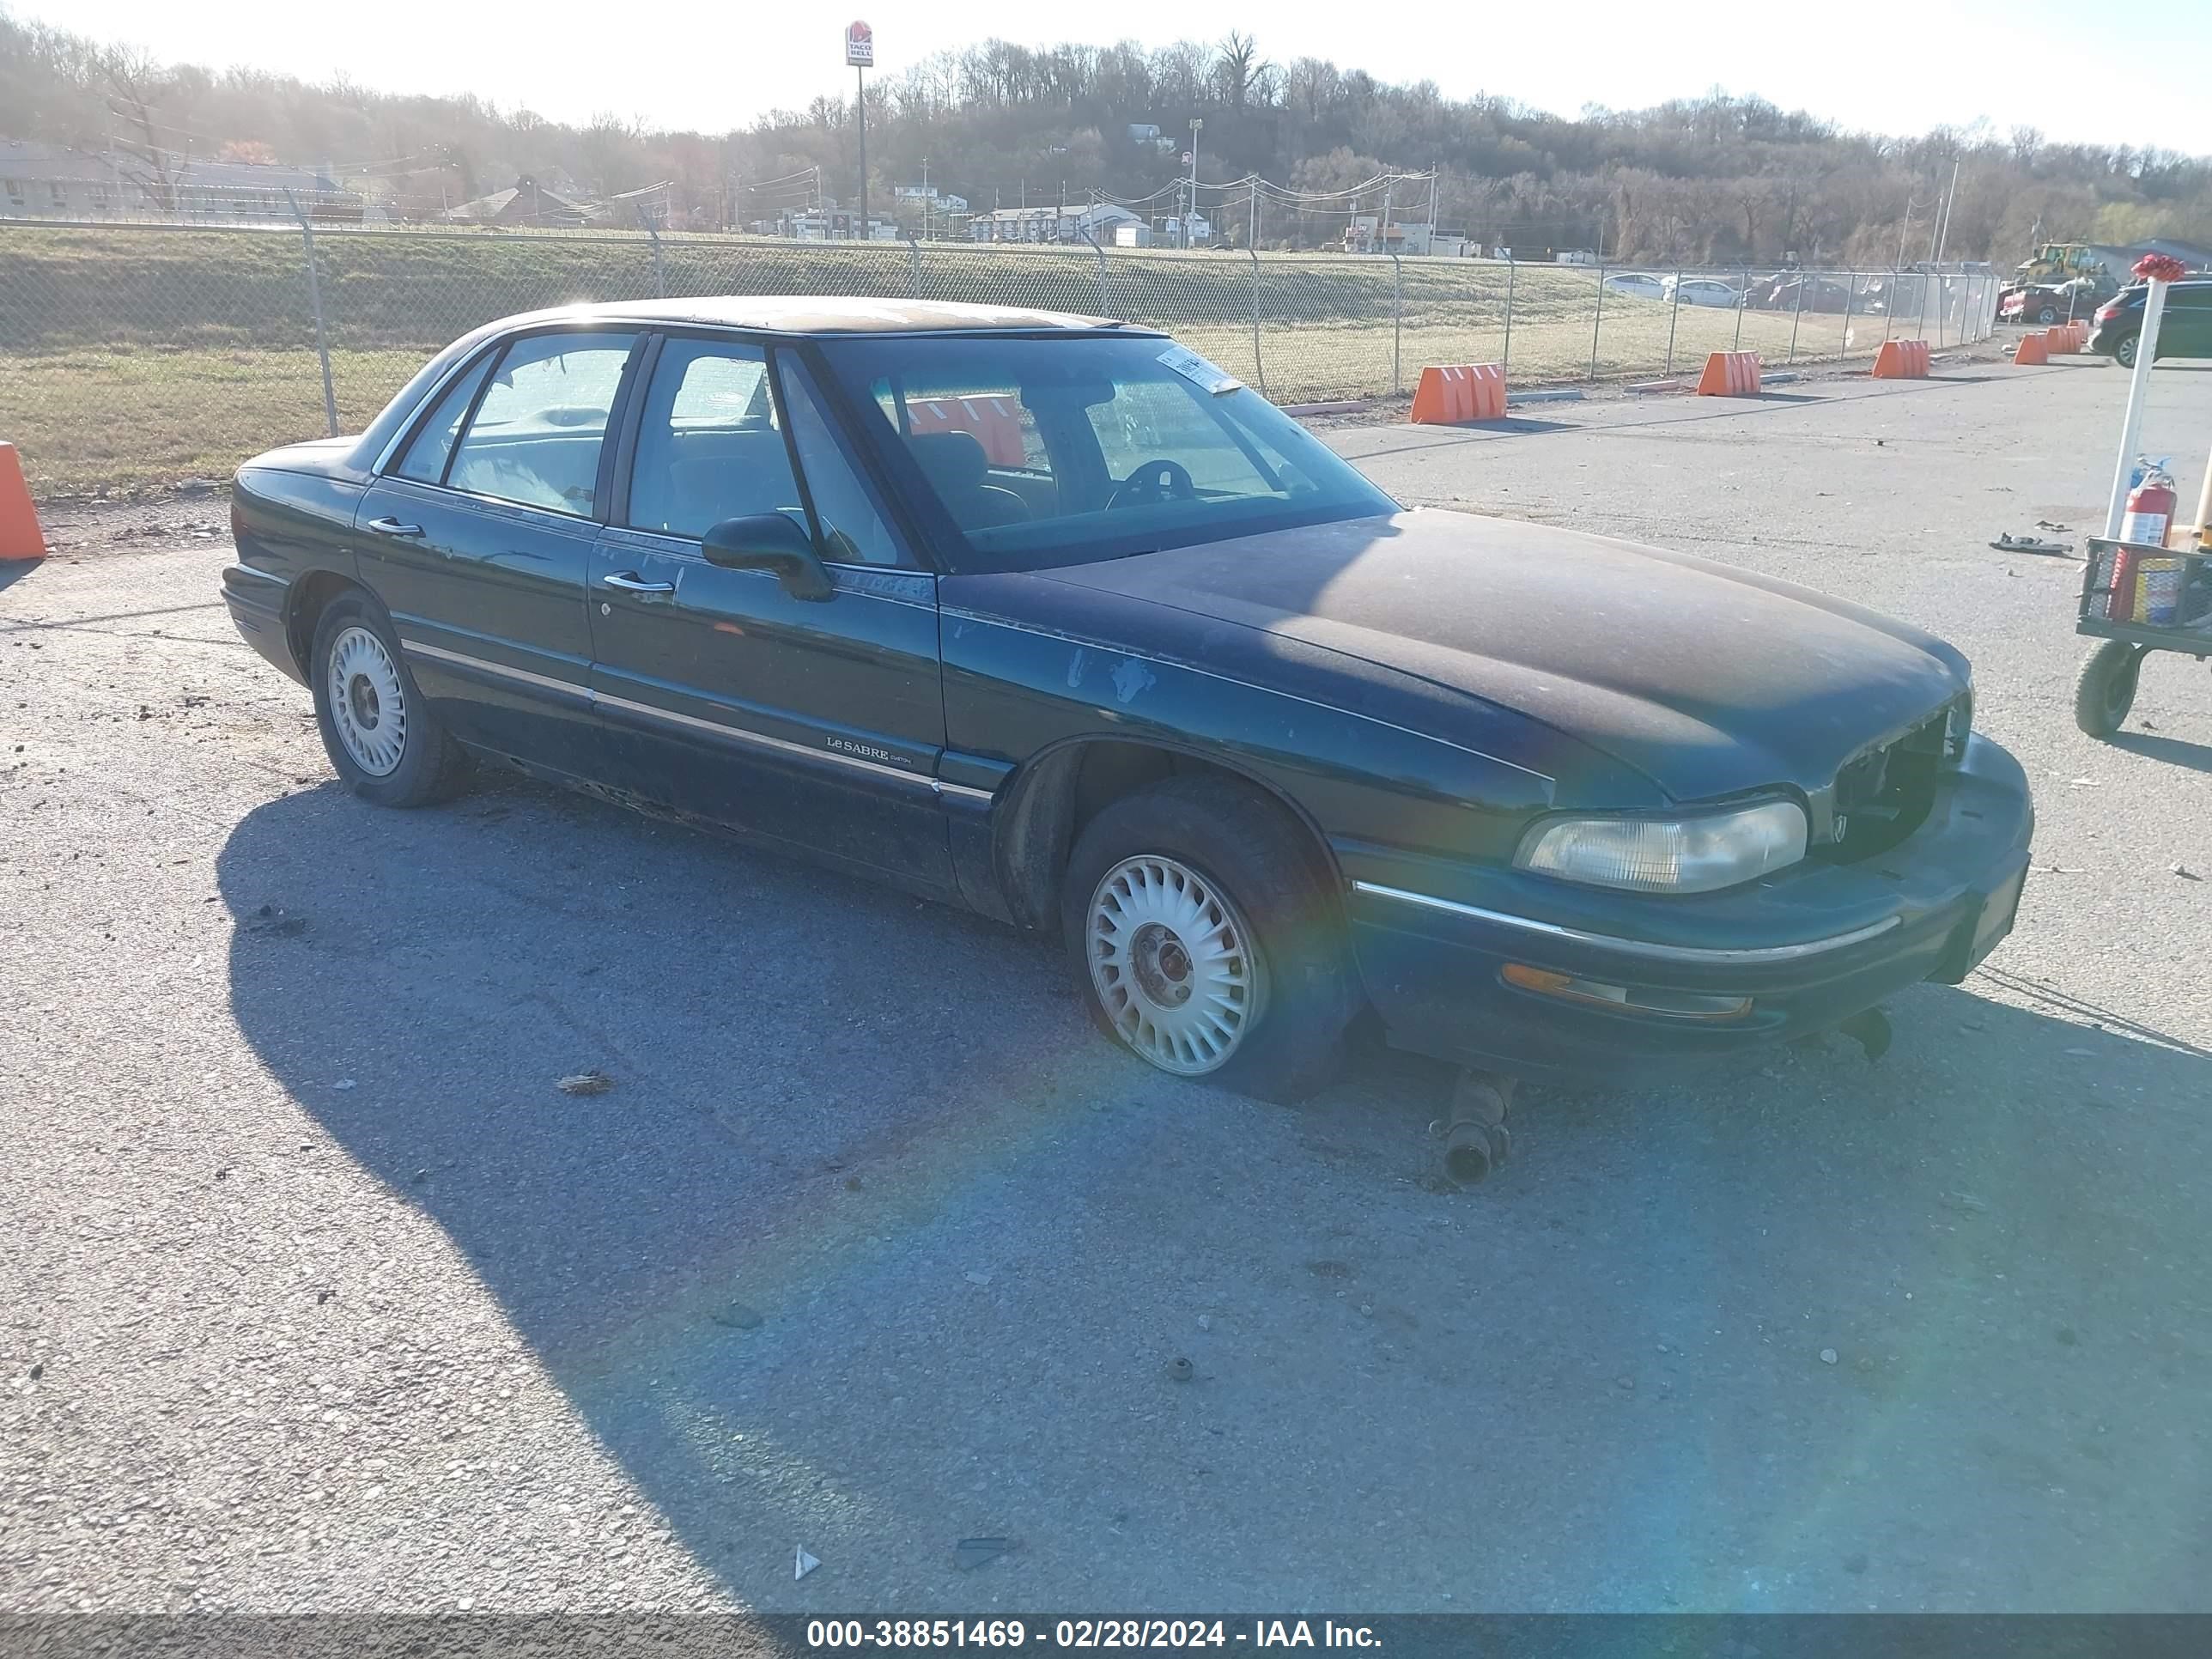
pixel 859 45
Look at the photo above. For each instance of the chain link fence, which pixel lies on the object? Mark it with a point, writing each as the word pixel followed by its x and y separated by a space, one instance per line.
pixel 136 356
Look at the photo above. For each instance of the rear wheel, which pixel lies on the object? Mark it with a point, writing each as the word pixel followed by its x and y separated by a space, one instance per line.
pixel 386 745
pixel 2105 689
pixel 2048 315
pixel 2123 354
pixel 1208 940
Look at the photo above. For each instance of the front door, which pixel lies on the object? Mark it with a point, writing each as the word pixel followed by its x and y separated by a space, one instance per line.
pixel 478 540
pixel 816 723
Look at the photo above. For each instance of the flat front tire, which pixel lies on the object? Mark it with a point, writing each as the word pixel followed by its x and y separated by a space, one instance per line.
pixel 386 743
pixel 1208 938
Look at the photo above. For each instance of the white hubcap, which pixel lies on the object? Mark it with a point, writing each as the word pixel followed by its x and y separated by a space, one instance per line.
pixel 366 705
pixel 1173 965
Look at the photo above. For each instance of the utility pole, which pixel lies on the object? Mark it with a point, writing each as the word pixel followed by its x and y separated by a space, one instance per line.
pixel 1432 207
pixel 1943 236
pixel 1252 234
pixel 1943 214
pixel 1195 124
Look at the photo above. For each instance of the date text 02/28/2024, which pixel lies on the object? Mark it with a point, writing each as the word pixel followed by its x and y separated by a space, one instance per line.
pixel 1084 1633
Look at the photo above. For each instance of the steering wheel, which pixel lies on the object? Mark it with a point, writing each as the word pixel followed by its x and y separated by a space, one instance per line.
pixel 1150 482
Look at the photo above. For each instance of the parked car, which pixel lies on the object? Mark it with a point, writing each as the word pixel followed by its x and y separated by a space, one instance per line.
pixel 1783 294
pixel 2185 330
pixel 1052 619
pixel 1700 291
pixel 2045 303
pixel 1636 284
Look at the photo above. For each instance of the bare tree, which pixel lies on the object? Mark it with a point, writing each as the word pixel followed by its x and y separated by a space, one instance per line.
pixel 134 82
pixel 1239 71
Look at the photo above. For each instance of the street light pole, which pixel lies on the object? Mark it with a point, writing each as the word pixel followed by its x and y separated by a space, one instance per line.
pixel 1195 124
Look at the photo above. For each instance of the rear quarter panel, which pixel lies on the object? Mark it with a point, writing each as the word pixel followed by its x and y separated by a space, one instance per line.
pixel 290 527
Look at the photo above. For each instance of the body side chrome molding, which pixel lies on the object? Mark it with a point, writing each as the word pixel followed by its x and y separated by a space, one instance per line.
pixel 544 682
pixel 1710 955
pixel 735 733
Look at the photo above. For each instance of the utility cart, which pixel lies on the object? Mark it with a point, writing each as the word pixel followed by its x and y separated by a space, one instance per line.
pixel 2137 599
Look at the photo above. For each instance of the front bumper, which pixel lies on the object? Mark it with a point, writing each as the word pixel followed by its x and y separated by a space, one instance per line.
pixel 1810 947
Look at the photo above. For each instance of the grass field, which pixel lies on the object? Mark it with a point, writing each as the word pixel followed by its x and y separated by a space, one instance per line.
pixel 131 357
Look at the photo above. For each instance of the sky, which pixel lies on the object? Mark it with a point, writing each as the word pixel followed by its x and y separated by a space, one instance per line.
pixel 2127 75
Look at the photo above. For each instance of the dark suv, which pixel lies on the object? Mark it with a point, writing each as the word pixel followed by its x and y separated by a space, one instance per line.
pixel 2184 332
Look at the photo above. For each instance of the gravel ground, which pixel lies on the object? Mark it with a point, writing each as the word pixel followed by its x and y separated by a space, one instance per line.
pixel 317 1293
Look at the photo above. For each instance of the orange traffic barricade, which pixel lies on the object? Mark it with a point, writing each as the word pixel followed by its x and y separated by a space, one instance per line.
pixel 1729 374
pixel 19 536
pixel 2031 350
pixel 2058 341
pixel 1901 359
pixel 994 423
pixel 1454 394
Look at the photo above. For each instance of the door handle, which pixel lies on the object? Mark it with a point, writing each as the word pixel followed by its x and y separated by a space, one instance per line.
pixel 394 527
pixel 630 582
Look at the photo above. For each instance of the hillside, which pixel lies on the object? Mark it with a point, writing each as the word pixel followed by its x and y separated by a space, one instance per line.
pixel 1713 179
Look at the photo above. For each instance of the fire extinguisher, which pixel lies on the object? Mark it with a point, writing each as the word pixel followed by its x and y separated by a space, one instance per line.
pixel 2150 509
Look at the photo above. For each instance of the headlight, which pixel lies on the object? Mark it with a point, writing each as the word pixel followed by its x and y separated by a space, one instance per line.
pixel 1959 724
pixel 1690 854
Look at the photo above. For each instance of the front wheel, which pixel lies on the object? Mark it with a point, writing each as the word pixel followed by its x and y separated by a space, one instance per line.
pixel 1208 938
pixel 382 736
pixel 2105 689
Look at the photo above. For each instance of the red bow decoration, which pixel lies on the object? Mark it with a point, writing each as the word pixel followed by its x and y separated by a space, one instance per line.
pixel 2160 268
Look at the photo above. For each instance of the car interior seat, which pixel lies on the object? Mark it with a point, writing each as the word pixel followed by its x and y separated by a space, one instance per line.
pixel 958 469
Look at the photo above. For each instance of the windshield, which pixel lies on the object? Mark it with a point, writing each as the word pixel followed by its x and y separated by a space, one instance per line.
pixel 1044 451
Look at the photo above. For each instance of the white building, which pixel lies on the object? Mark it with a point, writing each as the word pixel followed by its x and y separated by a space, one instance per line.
pixel 1099 222
pixel 938 201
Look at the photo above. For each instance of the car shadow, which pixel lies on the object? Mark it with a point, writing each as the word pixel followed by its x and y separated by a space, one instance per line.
pixel 872 1243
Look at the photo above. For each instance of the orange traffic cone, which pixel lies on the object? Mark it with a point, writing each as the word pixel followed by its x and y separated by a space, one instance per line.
pixel 19 521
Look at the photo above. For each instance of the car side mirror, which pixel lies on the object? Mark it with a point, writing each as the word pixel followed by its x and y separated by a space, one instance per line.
pixel 770 541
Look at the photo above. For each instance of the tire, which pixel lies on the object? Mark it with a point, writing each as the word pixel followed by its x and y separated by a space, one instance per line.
pixel 2105 689
pixel 2047 316
pixel 384 741
pixel 2123 354
pixel 1194 865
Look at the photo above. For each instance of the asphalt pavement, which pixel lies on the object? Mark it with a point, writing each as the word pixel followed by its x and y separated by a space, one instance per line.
pixel 317 1292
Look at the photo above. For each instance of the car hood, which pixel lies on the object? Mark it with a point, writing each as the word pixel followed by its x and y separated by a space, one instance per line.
pixel 1708 680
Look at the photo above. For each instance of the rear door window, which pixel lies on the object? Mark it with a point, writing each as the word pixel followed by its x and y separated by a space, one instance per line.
pixel 536 433
pixel 710 444
pixel 433 446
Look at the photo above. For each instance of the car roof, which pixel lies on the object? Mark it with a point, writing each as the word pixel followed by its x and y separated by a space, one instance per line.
pixel 816 313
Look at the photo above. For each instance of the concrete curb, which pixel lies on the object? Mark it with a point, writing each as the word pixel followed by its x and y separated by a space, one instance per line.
pixel 1655 386
pixel 1563 395
pixel 1347 406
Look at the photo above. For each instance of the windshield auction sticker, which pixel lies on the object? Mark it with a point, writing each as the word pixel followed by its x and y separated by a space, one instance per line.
pixel 1211 377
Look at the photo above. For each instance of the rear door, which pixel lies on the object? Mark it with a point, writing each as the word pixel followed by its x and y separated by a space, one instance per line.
pixel 478 540
pixel 816 723
pixel 2186 331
